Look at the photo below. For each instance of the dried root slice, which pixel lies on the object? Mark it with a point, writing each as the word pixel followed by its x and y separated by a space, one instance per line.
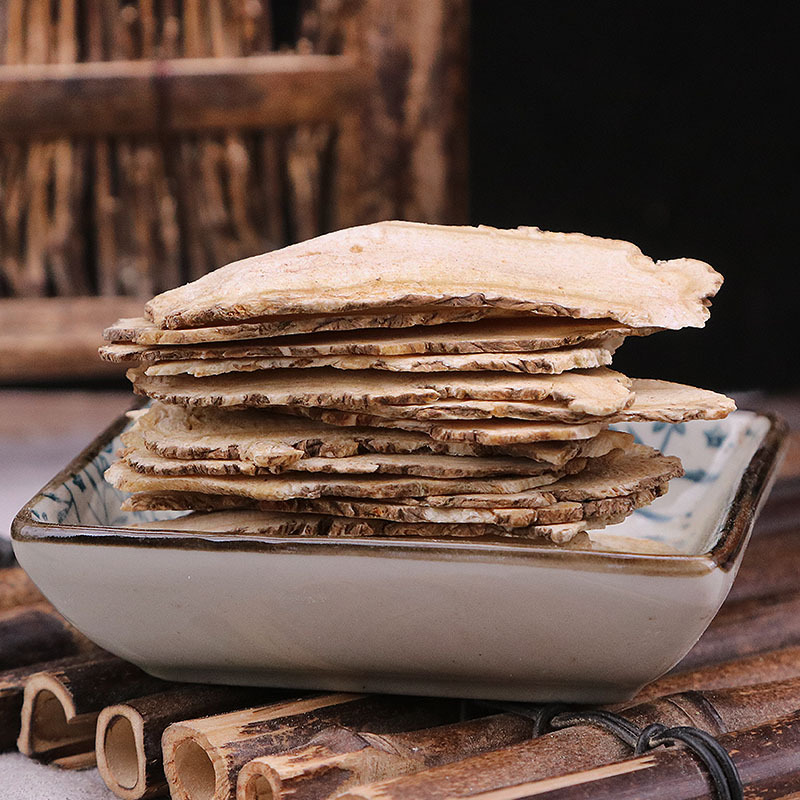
pixel 663 401
pixel 137 456
pixel 594 392
pixel 653 401
pixel 275 523
pixel 141 331
pixel 546 362
pixel 550 514
pixel 296 485
pixel 614 475
pixel 492 335
pixel 505 433
pixel 409 264
pixel 276 442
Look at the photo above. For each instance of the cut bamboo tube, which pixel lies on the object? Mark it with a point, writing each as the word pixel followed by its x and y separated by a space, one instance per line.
pixel 767 758
pixel 60 708
pixel 128 737
pixel 17 589
pixel 747 627
pixel 36 633
pixel 339 759
pixel 12 686
pixel 202 758
pixel 585 746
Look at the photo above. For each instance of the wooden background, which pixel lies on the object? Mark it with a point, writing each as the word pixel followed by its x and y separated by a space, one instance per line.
pixel 145 143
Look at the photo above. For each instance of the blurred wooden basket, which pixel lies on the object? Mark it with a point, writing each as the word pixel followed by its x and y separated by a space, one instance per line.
pixel 145 143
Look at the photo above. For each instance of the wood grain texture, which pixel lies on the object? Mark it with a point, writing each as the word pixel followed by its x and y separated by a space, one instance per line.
pixel 34 633
pixel 339 759
pixel 410 131
pixel 128 736
pixel 169 96
pixel 45 339
pixel 746 627
pixel 583 747
pixel 202 758
pixel 12 685
pixel 209 140
pixel 766 757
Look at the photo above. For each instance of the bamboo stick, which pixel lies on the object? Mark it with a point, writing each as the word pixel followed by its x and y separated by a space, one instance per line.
pixel 128 737
pixel 67 270
pixel 14 164
pixel 769 566
pixel 777 665
pixel 305 146
pixel 60 708
pixel 7 559
pixel 226 41
pixel 585 746
pixel 209 201
pixel 15 38
pixel 36 633
pixel 159 208
pixel 14 186
pixel 17 589
pixel 104 202
pixel 767 758
pixel 202 758
pixel 747 627
pixel 39 160
pixel 355 758
pixel 272 178
pixel 339 759
pixel 12 686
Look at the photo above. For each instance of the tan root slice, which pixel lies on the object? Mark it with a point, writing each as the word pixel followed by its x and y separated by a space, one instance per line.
pixel 270 523
pixel 275 523
pixel 505 433
pixel 140 331
pixel 293 485
pixel 663 401
pixel 408 264
pixel 142 460
pixel 614 475
pixel 511 335
pixel 547 362
pixel 553 513
pixel 276 442
pixel 653 400
pixel 184 501
pixel 594 392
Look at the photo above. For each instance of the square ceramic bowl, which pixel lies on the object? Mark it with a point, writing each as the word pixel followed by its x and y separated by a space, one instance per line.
pixel 510 620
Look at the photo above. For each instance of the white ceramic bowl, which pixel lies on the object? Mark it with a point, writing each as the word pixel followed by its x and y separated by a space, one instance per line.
pixel 514 621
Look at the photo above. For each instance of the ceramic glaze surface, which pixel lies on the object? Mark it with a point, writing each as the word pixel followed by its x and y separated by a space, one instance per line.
pixel 508 620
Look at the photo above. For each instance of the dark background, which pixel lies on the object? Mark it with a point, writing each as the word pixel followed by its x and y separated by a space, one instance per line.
pixel 665 125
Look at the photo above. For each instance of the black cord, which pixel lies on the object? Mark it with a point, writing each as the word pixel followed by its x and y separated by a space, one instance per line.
pixel 715 758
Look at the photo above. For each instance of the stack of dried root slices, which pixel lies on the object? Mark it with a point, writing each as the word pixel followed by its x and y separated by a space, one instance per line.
pixel 401 379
